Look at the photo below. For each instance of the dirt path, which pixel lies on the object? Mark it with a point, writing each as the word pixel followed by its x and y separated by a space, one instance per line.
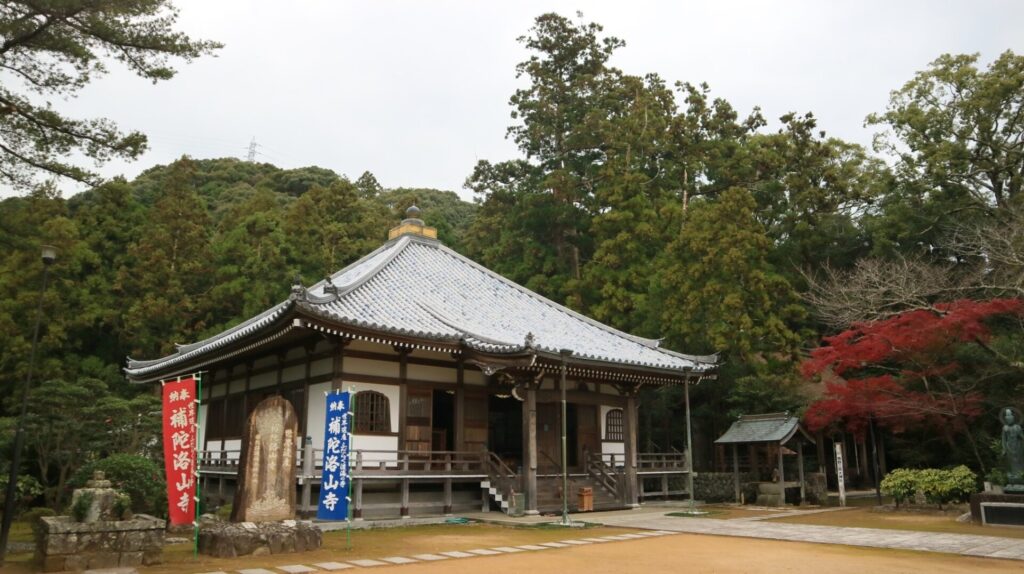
pixel 695 553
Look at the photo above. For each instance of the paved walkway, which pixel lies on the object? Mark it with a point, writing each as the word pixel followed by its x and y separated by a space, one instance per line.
pixel 323 567
pixel 964 544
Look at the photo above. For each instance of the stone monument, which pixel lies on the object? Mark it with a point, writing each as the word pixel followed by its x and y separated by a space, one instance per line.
pixel 101 539
pixel 266 476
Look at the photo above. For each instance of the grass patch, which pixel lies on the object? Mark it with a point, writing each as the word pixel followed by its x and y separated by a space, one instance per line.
pixel 697 514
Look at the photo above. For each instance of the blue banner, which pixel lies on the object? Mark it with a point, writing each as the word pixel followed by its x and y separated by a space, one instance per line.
pixel 334 483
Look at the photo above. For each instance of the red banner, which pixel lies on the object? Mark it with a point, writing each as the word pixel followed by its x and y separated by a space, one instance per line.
pixel 179 415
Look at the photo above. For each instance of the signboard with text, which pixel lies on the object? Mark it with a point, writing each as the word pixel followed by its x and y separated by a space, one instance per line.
pixel 840 476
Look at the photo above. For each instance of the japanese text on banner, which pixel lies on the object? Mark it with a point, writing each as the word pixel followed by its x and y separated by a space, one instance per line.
pixel 334 484
pixel 179 422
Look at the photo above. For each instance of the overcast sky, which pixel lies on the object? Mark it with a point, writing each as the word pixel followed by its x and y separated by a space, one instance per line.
pixel 416 91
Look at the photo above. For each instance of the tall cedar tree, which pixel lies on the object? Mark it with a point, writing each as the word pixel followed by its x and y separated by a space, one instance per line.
pixel 567 72
pixel 718 292
pixel 169 273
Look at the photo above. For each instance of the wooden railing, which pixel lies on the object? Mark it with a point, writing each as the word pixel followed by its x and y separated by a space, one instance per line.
pixel 413 462
pixel 375 462
pixel 662 461
pixel 604 473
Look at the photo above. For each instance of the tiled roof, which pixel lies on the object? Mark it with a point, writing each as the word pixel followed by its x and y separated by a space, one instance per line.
pixel 773 427
pixel 416 287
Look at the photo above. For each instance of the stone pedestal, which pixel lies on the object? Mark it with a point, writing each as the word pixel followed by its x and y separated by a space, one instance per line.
pixel 994 509
pixel 229 539
pixel 68 545
pixel 100 496
pixel 266 476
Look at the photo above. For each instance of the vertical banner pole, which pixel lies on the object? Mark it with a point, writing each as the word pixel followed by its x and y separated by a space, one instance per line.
pixel 199 403
pixel 352 411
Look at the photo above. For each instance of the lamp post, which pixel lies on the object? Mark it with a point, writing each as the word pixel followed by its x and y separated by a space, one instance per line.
pixel 49 254
pixel 564 355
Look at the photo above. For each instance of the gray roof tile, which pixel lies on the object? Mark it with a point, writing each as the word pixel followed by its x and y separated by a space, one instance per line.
pixel 418 287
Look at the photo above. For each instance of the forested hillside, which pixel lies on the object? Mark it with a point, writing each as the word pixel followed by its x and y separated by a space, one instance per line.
pixel 652 205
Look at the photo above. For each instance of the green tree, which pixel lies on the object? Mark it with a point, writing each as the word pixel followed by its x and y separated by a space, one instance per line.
pixel 168 270
pixel 635 194
pixel 329 227
pixel 249 257
pixel 719 293
pixel 956 130
pixel 566 75
pixel 54 49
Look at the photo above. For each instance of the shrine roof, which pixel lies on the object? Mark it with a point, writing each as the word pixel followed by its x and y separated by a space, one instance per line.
pixel 417 288
pixel 766 428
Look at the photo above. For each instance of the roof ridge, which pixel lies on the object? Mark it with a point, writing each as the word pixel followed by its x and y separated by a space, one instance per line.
pixel 366 275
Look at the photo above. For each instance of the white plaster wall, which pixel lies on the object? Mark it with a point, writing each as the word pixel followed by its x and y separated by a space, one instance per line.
pixel 609 447
pixel 316 413
pixel 430 373
pixel 618 448
pixel 262 380
pixel 234 445
pixel 371 367
pixel 321 367
pixel 237 386
pixel 202 423
pixel 293 373
pixel 265 361
pixel 474 377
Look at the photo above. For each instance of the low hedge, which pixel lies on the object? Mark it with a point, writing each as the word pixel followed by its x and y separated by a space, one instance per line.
pixel 939 486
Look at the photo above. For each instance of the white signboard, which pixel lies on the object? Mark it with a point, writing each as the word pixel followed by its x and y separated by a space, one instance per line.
pixel 839 474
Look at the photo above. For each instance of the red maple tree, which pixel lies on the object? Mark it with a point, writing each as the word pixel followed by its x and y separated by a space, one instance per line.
pixel 902 372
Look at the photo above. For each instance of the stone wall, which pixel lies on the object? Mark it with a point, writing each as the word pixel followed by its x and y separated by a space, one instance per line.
pixel 719 486
pixel 68 545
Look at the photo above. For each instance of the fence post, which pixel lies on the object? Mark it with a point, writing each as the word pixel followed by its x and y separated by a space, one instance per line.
pixel 307 472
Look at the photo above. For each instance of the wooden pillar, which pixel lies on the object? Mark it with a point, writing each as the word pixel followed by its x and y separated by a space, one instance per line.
pixel 460 406
pixel 404 467
pixel 448 485
pixel 736 470
pixel 338 379
pixel 819 445
pixel 530 448
pixel 631 446
pixel 405 498
pixel 403 396
pixel 800 468
pixel 782 479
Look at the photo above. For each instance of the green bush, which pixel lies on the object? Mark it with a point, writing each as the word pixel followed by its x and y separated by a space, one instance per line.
pixel 901 484
pixel 28 490
pixel 32 517
pixel 937 485
pixel 80 507
pixel 137 476
pixel 122 507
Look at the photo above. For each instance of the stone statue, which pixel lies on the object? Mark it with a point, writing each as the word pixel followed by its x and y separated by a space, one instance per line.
pixel 1013 448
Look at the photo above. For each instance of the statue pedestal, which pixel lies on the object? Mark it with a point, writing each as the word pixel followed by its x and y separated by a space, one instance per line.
pixel 993 509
